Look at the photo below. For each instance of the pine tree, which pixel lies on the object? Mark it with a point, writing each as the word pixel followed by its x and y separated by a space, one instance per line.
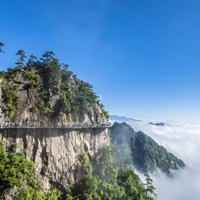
pixel 1 45
pixel 31 62
pixel 149 187
pixel 20 61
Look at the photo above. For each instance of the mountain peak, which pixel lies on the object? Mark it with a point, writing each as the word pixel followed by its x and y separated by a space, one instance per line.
pixel 145 153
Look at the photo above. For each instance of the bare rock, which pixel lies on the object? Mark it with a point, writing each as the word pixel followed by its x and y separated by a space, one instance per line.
pixel 57 152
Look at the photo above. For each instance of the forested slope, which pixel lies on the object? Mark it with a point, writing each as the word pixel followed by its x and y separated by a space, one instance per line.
pixel 143 152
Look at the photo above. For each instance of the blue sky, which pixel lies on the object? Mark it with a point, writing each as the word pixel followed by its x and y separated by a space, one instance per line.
pixel 142 57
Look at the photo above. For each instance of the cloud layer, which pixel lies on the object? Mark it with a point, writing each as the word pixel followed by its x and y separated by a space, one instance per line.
pixel 182 138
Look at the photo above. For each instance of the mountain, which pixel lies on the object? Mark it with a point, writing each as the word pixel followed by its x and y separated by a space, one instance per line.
pixel 144 153
pixel 48 147
pixel 34 98
pixel 121 118
pixel 45 92
pixel 158 123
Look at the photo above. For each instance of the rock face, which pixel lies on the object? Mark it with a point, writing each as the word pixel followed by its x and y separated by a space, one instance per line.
pixel 58 152
pixel 27 99
pixel 46 94
pixel 144 153
pixel 41 94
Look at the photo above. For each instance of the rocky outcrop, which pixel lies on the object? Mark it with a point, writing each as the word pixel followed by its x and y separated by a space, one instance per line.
pixel 58 153
pixel 42 100
pixel 43 96
pixel 27 99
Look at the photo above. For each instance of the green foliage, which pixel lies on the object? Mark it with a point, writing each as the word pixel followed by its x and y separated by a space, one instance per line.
pixel 12 168
pixel 31 63
pixel 78 134
pixel 86 160
pixel 52 195
pixel 150 152
pixel 52 69
pixel 145 153
pixel 149 187
pixel 49 78
pixel 1 45
pixel 10 97
pixel 109 182
pixel 105 113
pixel 17 172
pixel 12 73
pixel 2 73
pixel 20 61
pixel 32 78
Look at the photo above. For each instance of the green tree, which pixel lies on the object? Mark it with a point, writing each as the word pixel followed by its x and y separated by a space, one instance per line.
pixel 1 45
pixel 31 63
pixel 48 77
pixel 149 187
pixel 21 60
pixel 17 173
pixel 10 97
pixel 52 71
pixel 64 66
pixel 109 182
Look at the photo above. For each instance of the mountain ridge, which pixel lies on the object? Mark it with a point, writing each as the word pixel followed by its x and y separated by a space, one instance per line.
pixel 145 154
pixel 121 118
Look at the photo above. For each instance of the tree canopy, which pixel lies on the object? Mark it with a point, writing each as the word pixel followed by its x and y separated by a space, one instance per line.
pixel 111 182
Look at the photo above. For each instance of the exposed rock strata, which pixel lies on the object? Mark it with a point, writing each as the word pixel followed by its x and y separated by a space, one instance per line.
pixel 57 152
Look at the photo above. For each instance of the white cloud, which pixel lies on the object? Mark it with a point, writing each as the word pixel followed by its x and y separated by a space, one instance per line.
pixel 183 140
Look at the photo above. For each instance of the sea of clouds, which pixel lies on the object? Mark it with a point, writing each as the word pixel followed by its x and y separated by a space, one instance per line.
pixel 182 138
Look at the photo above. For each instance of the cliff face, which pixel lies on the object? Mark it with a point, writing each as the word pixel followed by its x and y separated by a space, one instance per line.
pixel 26 105
pixel 61 156
pixel 143 152
pixel 45 92
pixel 41 94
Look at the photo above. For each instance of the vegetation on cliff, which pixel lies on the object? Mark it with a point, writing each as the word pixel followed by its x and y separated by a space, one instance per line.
pixel 107 182
pixel 53 90
pixel 17 177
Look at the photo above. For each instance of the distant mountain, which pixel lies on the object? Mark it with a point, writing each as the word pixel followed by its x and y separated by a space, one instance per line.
pixel 142 151
pixel 121 118
pixel 158 124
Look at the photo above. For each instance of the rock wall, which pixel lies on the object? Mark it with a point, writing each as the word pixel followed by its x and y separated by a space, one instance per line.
pixel 57 152
pixel 28 98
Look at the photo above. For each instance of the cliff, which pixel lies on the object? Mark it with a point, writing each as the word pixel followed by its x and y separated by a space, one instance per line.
pixel 142 151
pixel 46 93
pixel 62 156
pixel 39 103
